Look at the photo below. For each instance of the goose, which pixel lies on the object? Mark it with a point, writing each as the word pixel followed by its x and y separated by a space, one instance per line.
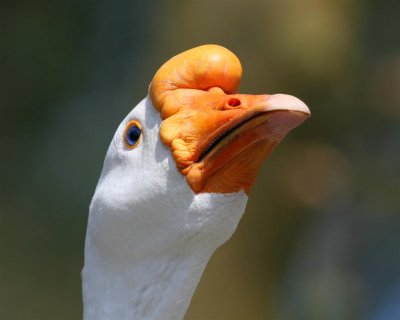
pixel 175 183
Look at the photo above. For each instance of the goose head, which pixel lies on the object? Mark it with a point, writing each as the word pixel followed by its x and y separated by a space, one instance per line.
pixel 176 179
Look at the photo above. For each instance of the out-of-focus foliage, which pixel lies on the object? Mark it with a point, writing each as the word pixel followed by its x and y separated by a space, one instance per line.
pixel 321 236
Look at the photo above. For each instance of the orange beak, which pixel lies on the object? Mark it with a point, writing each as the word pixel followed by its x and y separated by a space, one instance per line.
pixel 219 140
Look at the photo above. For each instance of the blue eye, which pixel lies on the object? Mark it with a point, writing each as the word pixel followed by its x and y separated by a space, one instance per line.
pixel 132 134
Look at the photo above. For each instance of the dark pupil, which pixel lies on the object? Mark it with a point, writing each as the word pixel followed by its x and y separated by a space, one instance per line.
pixel 133 135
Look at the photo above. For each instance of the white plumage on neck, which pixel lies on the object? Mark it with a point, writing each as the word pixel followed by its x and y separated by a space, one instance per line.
pixel 149 237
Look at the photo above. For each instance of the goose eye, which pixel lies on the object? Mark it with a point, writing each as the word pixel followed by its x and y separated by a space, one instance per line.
pixel 133 133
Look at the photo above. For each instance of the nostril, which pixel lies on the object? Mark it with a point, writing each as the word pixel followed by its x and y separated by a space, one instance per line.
pixel 233 102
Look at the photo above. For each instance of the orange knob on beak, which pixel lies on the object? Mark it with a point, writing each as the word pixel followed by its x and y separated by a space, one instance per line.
pixel 218 138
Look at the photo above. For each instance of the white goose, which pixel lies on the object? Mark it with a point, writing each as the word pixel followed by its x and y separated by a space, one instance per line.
pixel 174 184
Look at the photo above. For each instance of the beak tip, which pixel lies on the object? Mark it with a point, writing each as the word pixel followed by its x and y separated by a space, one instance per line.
pixel 287 102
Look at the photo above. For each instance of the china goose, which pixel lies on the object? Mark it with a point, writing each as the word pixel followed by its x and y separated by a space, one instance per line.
pixel 175 183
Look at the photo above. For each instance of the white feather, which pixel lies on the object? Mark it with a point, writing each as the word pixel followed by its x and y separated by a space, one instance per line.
pixel 149 237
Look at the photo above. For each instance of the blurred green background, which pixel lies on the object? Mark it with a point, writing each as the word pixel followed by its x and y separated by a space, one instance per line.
pixel 321 235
